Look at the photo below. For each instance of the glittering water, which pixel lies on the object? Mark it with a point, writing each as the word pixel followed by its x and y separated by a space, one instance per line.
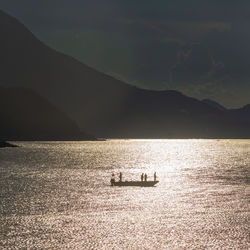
pixel 57 195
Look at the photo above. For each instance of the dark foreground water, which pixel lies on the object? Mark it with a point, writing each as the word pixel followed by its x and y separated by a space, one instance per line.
pixel 56 195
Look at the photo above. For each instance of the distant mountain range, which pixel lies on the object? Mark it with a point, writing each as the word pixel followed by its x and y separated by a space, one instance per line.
pixel 241 113
pixel 102 105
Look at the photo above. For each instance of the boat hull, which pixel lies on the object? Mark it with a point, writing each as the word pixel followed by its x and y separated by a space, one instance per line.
pixel 134 183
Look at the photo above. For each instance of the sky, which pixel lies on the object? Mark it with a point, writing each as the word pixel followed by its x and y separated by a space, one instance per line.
pixel 199 47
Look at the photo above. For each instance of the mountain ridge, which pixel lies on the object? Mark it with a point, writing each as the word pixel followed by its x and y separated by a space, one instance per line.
pixel 103 105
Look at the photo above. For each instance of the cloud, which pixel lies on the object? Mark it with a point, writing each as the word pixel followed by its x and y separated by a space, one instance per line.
pixel 180 27
pixel 46 13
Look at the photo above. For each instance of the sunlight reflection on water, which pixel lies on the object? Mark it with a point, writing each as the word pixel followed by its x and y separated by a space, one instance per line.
pixel 58 195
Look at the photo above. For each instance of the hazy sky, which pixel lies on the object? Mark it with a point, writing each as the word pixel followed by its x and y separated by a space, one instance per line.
pixel 201 48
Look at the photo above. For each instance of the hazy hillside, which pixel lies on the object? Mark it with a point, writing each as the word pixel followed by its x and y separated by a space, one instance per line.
pixel 101 104
pixel 25 115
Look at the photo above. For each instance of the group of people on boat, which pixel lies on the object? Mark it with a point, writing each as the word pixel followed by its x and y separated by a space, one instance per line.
pixel 144 177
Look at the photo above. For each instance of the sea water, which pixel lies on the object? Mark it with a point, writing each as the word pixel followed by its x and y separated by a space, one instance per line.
pixel 57 195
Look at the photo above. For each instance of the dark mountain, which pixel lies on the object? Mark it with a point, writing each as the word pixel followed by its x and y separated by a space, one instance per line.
pixel 101 104
pixel 214 104
pixel 25 115
pixel 79 90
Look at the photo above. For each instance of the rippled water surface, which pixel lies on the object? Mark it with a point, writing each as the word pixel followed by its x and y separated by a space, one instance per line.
pixel 58 195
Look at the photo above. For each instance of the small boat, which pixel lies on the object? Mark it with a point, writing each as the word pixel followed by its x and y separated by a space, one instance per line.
pixel 134 183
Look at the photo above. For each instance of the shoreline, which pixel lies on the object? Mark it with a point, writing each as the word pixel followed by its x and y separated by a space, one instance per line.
pixel 4 144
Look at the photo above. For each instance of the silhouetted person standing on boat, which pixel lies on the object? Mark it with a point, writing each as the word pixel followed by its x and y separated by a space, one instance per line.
pixel 120 176
pixel 112 179
pixel 145 177
pixel 155 176
pixel 142 176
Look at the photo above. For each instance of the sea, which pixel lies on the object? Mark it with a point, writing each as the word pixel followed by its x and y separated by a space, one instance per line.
pixel 57 195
